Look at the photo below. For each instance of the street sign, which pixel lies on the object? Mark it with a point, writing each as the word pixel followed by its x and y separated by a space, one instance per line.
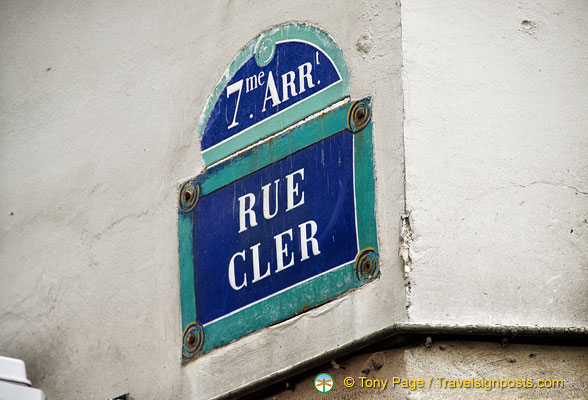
pixel 283 76
pixel 288 223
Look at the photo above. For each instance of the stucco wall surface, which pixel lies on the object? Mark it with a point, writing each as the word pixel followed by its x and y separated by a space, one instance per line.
pixel 496 146
pixel 99 103
pixel 452 361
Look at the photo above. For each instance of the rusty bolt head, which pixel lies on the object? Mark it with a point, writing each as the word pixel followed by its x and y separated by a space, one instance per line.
pixel 189 194
pixel 366 265
pixel 359 115
pixel 191 339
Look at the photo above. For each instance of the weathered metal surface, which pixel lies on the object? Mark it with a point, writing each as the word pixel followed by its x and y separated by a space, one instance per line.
pixel 278 229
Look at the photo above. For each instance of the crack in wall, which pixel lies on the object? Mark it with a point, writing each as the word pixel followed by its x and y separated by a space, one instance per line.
pixel 405 253
pixel 404 250
pixel 562 185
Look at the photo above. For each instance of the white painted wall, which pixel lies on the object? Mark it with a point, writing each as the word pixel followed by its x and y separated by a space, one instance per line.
pixel 99 103
pixel 98 108
pixel 496 139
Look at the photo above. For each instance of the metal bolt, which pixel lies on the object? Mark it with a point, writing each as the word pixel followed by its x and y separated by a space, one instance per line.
pixel 191 339
pixel 359 115
pixel 187 195
pixel 366 265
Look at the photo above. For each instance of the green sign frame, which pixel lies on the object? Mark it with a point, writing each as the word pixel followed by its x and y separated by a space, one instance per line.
pixel 354 117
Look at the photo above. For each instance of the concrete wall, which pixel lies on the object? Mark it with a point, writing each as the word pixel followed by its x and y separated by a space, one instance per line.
pixel 496 118
pixel 99 105
pixel 98 108
pixel 453 361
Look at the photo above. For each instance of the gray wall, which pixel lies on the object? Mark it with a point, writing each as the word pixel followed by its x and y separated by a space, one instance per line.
pixel 99 105
pixel 453 361
pixel 98 108
pixel 496 138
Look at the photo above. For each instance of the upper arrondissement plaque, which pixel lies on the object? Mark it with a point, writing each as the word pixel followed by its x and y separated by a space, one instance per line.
pixel 282 218
pixel 281 77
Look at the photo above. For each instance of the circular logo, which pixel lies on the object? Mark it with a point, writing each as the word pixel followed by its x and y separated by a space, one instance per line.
pixel 264 51
pixel 323 383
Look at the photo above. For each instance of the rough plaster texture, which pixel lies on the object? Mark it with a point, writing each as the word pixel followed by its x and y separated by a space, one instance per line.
pixel 496 146
pixel 453 360
pixel 98 107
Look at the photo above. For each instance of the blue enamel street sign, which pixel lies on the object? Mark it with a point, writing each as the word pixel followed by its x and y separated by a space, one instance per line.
pixel 256 93
pixel 286 224
pixel 283 76
pixel 279 226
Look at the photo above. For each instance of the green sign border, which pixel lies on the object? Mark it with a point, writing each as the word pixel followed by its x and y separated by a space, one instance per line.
pixel 320 289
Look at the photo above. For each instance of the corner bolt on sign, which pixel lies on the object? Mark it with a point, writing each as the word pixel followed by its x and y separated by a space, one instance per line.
pixel 282 218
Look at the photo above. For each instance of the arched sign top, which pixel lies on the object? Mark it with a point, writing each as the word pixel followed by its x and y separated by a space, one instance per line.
pixel 284 75
pixel 282 219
